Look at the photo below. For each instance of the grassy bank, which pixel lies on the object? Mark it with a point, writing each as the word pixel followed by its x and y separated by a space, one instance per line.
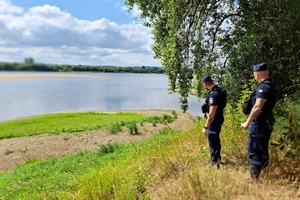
pixel 73 122
pixel 170 165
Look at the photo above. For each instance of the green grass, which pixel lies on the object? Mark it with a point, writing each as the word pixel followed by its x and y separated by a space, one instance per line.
pixel 72 122
pixel 61 178
pixel 56 176
pixel 169 165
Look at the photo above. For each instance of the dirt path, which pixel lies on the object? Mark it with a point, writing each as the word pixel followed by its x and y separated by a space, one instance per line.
pixel 16 151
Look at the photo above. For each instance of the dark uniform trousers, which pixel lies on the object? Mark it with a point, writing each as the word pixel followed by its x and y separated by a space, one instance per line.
pixel 214 141
pixel 258 142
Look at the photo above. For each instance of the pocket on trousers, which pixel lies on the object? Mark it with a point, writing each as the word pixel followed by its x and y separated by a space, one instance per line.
pixel 255 143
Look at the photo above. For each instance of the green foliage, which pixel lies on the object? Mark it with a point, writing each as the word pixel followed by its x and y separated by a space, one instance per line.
pixel 141 170
pixel 159 119
pixel 224 39
pixel 174 114
pixel 107 149
pixel 54 177
pixel 247 89
pixel 67 123
pixel 31 66
pixel 288 127
pixel 164 130
pixel 132 128
pixel 7 152
pixel 167 118
pixel 113 128
pixel 29 60
pixel 77 122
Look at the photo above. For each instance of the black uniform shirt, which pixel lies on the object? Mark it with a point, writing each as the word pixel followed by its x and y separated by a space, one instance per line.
pixel 216 98
pixel 266 90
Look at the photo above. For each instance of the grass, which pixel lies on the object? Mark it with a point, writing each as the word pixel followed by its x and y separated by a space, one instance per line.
pixel 73 122
pixel 170 165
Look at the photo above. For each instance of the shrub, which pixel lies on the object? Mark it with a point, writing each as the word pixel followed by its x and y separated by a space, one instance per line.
pixel 114 128
pixel 174 114
pixel 165 130
pixel 132 128
pixel 287 126
pixel 167 118
pixel 105 149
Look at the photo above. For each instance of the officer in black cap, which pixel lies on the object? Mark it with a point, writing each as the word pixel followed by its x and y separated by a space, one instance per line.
pixel 215 102
pixel 260 120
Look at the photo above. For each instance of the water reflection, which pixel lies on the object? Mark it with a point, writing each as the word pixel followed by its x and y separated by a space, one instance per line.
pixel 93 91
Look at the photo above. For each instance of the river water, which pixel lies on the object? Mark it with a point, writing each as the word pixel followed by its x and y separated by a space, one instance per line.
pixel 50 92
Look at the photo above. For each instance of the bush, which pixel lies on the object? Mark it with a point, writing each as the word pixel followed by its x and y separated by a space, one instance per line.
pixel 287 126
pixel 174 114
pixel 132 128
pixel 114 128
pixel 105 149
pixel 167 118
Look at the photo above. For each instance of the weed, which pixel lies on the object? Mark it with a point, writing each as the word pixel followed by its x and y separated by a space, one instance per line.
pixel 164 130
pixel 132 128
pixel 31 160
pixel 7 152
pixel 167 118
pixel 105 149
pixel 113 128
pixel 174 114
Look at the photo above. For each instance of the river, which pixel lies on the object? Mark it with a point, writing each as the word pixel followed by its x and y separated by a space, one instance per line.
pixel 25 94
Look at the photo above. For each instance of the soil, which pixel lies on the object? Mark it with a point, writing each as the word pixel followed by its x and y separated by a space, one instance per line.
pixel 16 151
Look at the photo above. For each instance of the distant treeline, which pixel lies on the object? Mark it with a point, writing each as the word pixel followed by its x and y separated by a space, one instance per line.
pixel 78 68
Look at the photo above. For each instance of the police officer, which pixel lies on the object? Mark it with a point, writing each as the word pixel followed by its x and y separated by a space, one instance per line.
pixel 216 102
pixel 260 119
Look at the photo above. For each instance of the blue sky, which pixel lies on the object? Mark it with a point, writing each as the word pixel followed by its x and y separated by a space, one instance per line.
pixel 89 10
pixel 91 32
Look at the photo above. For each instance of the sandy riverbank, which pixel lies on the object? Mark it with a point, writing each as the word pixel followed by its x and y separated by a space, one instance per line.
pixel 16 151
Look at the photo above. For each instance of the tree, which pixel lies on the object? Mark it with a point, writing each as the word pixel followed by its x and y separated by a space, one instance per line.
pixel 29 61
pixel 224 38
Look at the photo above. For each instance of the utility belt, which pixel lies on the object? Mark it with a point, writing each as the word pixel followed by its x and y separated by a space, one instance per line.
pixel 260 120
pixel 265 117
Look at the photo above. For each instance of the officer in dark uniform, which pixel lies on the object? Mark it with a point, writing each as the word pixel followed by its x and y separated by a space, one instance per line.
pixel 215 104
pixel 261 120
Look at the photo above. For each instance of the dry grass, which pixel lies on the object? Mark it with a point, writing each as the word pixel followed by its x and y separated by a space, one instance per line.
pixel 191 178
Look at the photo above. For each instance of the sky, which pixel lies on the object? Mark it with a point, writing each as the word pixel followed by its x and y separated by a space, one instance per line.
pixel 77 32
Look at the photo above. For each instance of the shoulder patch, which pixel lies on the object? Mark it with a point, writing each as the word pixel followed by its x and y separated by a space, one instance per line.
pixel 211 100
pixel 260 90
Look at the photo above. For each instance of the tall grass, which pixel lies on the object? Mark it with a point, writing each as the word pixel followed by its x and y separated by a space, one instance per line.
pixel 170 165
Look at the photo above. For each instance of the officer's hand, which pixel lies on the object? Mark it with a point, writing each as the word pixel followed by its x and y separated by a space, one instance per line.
pixel 204 131
pixel 245 125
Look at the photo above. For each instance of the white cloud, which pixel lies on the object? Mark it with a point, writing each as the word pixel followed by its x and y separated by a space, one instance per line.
pixel 6 7
pixel 50 35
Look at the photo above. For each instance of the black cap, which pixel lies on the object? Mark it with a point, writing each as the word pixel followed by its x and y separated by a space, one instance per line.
pixel 206 78
pixel 260 67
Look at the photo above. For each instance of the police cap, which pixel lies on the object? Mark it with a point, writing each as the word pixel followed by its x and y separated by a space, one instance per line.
pixel 206 78
pixel 260 67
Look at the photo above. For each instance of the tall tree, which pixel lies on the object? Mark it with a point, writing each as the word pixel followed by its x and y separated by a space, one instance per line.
pixel 224 38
